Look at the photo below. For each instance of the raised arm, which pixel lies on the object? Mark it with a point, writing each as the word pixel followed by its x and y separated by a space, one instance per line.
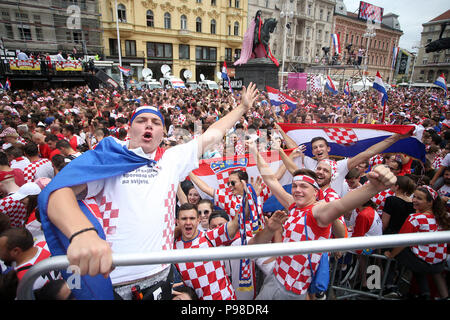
pixel 290 143
pixel 202 185
pixel 269 178
pixel 181 195
pixel 381 178
pixel 375 149
pixel 218 129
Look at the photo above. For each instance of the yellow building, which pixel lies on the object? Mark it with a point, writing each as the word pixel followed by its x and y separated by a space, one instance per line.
pixel 195 35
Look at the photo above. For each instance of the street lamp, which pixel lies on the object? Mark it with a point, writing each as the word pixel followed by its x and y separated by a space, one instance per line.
pixel 414 64
pixel 287 15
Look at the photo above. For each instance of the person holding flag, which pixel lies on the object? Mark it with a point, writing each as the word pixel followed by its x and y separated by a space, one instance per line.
pixel 278 98
pixel 120 198
pixel 7 84
pixel 347 89
pixel 440 82
pixel 379 86
pixel 225 76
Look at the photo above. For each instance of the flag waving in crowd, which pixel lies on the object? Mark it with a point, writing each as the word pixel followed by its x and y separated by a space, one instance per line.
pixel 278 98
pixel 329 85
pixel 126 72
pixel 336 43
pixel 225 75
pixel 347 88
pixel 440 81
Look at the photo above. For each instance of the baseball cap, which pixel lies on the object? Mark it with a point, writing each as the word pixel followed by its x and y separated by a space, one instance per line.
pixel 9 132
pixel 6 175
pixel 30 189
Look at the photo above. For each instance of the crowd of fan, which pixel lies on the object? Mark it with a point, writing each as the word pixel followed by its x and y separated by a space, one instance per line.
pixel 42 131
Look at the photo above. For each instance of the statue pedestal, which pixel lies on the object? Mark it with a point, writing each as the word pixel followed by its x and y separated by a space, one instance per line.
pixel 261 71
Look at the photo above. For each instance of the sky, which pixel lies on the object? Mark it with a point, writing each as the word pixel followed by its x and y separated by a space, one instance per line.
pixel 412 14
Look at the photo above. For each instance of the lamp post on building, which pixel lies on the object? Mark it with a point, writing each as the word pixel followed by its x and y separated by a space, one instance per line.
pixel 370 33
pixel 118 44
pixel 287 15
pixel 414 64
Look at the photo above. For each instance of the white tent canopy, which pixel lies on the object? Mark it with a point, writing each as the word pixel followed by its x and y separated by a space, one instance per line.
pixel 362 85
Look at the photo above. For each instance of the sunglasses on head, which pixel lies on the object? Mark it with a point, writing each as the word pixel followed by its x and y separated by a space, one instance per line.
pixel 205 212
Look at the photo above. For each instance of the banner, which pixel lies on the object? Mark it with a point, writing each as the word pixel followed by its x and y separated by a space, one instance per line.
pixel 30 64
pixel 68 65
pixel 297 81
pixel 348 139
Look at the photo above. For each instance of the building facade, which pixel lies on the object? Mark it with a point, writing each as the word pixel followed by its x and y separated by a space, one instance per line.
pixel 431 65
pixel 49 26
pixel 375 43
pixel 194 35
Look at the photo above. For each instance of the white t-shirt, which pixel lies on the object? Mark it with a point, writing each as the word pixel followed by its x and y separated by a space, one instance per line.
pixel 138 208
pixel 446 161
pixel 342 169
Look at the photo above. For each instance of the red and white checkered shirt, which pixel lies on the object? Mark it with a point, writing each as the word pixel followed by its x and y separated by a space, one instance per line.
pixel 329 195
pixel 208 278
pixel 15 210
pixel 41 168
pixel 380 198
pixel 294 272
pixel 425 222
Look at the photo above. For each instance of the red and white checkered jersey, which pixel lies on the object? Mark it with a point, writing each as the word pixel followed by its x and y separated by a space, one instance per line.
pixel 425 222
pixel 380 198
pixel 208 278
pixel 41 168
pixel 15 210
pixel 294 272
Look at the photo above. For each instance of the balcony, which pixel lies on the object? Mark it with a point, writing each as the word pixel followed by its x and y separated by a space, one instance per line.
pixel 114 53
pixel 303 16
pixel 184 35
pixel 234 40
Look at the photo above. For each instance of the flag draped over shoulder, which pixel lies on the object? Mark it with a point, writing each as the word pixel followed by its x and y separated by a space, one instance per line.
pixel 348 140
pixel 108 159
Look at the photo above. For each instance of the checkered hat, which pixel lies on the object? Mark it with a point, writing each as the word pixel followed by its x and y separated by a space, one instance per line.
pixel 9 132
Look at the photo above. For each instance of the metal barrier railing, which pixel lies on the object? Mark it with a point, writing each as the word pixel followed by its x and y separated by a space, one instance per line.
pixel 25 288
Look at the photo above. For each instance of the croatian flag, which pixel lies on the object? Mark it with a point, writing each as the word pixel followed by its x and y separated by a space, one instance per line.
pixel 277 98
pixel 347 88
pixel 329 85
pixel 440 81
pixel 395 51
pixel 379 86
pixel 7 84
pixel 336 43
pixel 225 75
pixel 350 139
pixel 126 72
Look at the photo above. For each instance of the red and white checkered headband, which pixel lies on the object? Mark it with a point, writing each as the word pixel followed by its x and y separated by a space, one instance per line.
pixel 307 179
pixel 432 192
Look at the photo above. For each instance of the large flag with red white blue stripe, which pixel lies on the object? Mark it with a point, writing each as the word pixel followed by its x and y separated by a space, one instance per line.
pixel 350 139
pixel 329 85
pixel 336 43
pixel 126 72
pixel 440 81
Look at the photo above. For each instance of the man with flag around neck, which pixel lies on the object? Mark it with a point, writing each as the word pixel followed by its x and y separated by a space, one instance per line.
pixel 93 253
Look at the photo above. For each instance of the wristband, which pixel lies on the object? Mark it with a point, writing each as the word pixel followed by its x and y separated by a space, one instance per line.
pixel 81 231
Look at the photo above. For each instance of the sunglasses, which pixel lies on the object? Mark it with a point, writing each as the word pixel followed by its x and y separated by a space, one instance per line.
pixel 205 212
pixel 231 183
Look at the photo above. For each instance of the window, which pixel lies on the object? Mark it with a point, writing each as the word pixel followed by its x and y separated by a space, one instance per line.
pixel 150 19
pixel 198 24
pixel 213 2
pixel 213 26
pixel 122 13
pixel 183 22
pixel 237 54
pixel 309 12
pixel 37 18
pixel 9 31
pixel 236 3
pixel 130 48
pixel 77 37
pixel 199 1
pixel 321 14
pixel 228 54
pixel 25 33
pixel 205 53
pixel 236 28
pixel 113 47
pixel 21 16
pixel 184 51
pixel 167 21
pixel 328 16
pixel 229 30
pixel 159 50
